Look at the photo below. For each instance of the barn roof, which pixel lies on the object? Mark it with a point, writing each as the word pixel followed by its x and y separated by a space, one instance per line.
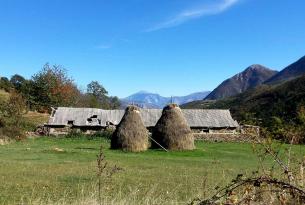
pixel 98 117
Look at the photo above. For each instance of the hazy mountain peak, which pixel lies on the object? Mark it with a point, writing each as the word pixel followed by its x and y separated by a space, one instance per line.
pixel 142 92
pixel 154 100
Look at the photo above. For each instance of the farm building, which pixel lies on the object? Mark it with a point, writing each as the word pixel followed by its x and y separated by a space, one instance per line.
pixel 62 119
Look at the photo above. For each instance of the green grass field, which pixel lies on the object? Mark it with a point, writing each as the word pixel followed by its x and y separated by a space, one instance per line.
pixel 35 172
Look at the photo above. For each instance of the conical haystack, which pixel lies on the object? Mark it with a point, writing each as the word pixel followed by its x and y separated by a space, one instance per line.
pixel 130 134
pixel 172 130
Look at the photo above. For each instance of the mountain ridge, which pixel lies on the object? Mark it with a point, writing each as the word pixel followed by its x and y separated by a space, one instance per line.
pixel 146 99
pixel 251 77
pixel 290 72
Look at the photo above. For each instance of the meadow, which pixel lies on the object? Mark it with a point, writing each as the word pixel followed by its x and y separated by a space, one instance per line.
pixel 64 171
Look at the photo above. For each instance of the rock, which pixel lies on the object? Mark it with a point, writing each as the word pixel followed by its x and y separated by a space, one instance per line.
pixel 58 149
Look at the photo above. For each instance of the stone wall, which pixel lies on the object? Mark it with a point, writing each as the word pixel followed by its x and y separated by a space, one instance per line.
pixel 224 137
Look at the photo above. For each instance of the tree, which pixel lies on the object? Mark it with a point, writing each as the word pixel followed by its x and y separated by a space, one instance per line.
pixel 53 87
pixel 5 84
pixel 97 95
pixel 114 102
pixel 17 81
pixel 96 89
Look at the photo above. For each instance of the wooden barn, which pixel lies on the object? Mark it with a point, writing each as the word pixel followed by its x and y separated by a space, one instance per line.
pixel 88 120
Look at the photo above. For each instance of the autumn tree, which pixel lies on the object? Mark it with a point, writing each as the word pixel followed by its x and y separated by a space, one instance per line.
pixel 53 87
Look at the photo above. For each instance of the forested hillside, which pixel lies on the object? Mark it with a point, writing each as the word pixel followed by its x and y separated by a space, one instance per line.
pixel 278 108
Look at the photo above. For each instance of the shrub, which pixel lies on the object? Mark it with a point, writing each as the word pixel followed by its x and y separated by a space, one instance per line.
pixel 105 134
pixel 11 116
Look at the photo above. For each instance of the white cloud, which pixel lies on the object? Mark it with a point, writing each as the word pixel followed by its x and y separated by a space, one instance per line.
pixel 104 46
pixel 205 10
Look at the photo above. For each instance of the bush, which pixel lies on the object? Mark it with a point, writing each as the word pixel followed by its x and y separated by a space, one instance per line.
pixel 74 134
pixel 11 116
pixel 105 134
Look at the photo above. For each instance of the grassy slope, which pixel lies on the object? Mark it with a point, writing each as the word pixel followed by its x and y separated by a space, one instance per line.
pixel 31 170
pixel 36 118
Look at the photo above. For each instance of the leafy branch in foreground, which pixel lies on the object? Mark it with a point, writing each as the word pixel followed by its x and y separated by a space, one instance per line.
pixel 264 188
pixel 254 190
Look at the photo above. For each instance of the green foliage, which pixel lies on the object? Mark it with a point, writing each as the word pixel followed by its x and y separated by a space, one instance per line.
pixel 92 101
pixel 5 84
pixel 114 102
pixel 97 97
pixel 52 87
pixel 11 116
pixel 74 134
pixel 18 82
pixel 96 89
pixel 104 134
pixel 3 95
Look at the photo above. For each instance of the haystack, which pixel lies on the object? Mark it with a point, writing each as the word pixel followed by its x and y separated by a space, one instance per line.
pixel 130 134
pixel 172 130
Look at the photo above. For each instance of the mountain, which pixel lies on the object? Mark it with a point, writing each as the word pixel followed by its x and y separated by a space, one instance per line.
pixel 290 72
pixel 152 100
pixel 279 108
pixel 251 77
pixel 145 100
pixel 189 98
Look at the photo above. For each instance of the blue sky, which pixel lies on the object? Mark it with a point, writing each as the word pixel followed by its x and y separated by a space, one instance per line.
pixel 171 47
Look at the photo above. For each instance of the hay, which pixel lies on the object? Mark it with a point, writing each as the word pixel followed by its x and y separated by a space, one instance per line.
pixel 172 130
pixel 130 134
